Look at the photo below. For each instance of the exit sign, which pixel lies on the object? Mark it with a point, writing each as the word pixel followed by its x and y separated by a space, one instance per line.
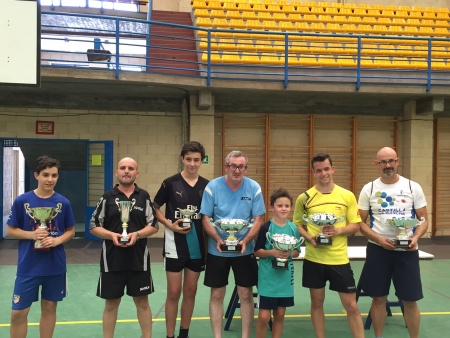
pixel 206 159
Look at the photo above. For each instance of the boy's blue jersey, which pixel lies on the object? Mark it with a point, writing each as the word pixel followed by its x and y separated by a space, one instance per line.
pixel 41 263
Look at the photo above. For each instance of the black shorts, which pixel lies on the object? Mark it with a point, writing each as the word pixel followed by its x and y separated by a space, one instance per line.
pixel 315 276
pixel 245 270
pixel 111 284
pixel 178 264
pixel 382 266
pixel 273 303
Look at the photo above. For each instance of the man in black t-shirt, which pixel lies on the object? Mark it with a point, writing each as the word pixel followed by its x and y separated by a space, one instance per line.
pixel 125 264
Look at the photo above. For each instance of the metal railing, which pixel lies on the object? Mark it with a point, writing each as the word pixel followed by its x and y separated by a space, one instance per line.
pixel 125 44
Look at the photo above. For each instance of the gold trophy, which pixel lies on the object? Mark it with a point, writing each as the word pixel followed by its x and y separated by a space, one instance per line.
pixel 285 243
pixel 323 220
pixel 187 214
pixel 42 215
pixel 231 227
pixel 402 227
pixel 124 208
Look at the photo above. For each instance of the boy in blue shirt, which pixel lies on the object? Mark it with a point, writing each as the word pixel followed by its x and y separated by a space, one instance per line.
pixel 275 286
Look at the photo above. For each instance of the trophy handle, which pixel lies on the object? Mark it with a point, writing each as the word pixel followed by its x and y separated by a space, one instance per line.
pixel 56 211
pixel 305 218
pixel 29 211
pixel 269 238
pixel 300 242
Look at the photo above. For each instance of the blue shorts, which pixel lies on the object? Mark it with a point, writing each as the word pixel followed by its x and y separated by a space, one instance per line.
pixel 26 290
pixel 382 266
pixel 273 303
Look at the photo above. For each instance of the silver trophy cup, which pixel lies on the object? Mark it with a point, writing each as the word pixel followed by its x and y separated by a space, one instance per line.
pixel 42 215
pixel 124 207
pixel 323 220
pixel 402 227
pixel 231 226
pixel 285 243
pixel 187 214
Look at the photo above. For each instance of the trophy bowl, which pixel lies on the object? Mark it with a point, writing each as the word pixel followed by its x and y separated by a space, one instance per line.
pixel 285 243
pixel 42 215
pixel 231 226
pixel 402 227
pixel 322 220
pixel 187 214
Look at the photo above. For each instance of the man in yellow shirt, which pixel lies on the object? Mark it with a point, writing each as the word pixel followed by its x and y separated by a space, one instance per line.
pixel 332 210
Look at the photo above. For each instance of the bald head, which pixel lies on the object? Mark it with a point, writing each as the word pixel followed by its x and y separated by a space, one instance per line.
pixel 128 160
pixel 386 152
pixel 127 172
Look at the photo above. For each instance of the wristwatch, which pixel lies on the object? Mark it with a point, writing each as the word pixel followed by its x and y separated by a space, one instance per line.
pixel 138 237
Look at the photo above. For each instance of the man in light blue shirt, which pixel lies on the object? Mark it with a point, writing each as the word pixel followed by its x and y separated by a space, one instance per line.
pixel 232 196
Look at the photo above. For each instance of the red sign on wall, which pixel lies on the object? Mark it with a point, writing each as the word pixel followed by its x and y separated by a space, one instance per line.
pixel 45 127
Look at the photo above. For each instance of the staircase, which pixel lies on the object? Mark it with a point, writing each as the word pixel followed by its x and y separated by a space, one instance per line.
pixel 163 38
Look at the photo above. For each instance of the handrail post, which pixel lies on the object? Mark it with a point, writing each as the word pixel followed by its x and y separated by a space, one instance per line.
pixel 358 64
pixel 429 66
pixel 208 64
pixel 286 60
pixel 117 47
pixel 147 37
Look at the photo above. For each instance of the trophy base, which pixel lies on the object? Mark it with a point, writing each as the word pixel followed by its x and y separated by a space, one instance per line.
pixel 402 243
pixel 124 240
pixel 281 265
pixel 231 248
pixel 323 241
pixel 38 247
pixel 186 223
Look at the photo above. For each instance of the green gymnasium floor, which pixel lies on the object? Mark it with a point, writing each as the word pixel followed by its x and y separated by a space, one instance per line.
pixel 79 315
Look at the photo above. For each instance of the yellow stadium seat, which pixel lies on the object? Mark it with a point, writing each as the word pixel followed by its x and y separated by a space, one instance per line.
pixel 360 12
pixel 365 29
pixel 307 60
pixel 441 23
pixel 363 6
pixel 289 9
pixel 331 10
pixel 317 47
pixel 310 4
pixel 259 8
pixel 294 17
pixel 369 20
pixel 390 7
pixel 387 13
pixel 264 16
pixel 386 50
pixel 264 46
pixel 333 28
pixel 270 26
pixel 345 11
pixel 229 6
pixel 417 8
pixel 274 9
pixel 301 26
pixel 293 60
pixel 335 48
pixel 399 62
pixel 442 15
pixel 244 6
pixel 214 5
pixel 402 14
pixel 317 10
pixel 384 21
pixel 399 21
pixel 279 16
pixel 203 44
pixel 382 62
pixel 217 13
pixel 215 58
pixel 303 10
pixel 345 61
pixel 337 5
pixel 404 50
pixel 323 4
pixel 325 18
pixel 404 8
pixel 199 4
pixel 254 1
pixel 428 31
pixel 374 12
pixel 395 30
pixel 286 26
pixel 246 15
pixel 230 57
pixel 430 15
pixel 443 10
pixel 245 45
pixel 351 5
pixel 441 32
pixel 440 64
pixel 279 46
pixel 349 28
pixel 376 6
pixel 413 14
pixel 317 27
pixel 326 60
pixel 380 29
pixel 234 15
pixel 220 23
pixel 201 12
pixel 310 18
pixel 413 22
pixel 299 47
pixel 203 22
pixel 237 24
pixel 250 59
pixel 270 60
pixel 367 62
pixel 410 30
pixel 254 24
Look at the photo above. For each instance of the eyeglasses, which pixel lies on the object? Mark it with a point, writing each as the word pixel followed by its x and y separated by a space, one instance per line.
pixel 234 167
pixel 385 163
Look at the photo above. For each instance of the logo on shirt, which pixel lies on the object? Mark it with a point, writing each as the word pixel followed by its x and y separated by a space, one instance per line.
pixel 245 198
pixel 179 193
pixel 144 288
pixel 16 299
